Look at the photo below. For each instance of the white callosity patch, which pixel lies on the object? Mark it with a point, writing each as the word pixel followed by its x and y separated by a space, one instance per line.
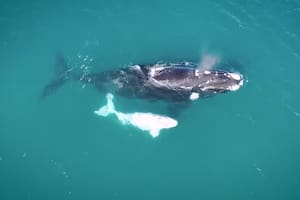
pixel 137 67
pixel 235 76
pixel 194 96
pixel 152 72
pixel 234 87
pixel 155 70
pixel 150 122
pixel 206 72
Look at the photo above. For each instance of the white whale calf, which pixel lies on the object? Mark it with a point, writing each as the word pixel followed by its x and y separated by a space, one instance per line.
pixel 150 122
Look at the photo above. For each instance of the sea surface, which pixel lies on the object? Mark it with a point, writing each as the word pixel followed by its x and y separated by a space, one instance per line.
pixel 242 145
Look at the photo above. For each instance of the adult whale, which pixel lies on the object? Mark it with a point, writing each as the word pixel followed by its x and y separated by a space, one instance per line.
pixel 175 82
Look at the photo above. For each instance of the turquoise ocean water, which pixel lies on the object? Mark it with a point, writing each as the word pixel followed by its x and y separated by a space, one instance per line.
pixel 239 145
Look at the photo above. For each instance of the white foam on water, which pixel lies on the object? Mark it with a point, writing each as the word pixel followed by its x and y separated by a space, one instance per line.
pixel 150 122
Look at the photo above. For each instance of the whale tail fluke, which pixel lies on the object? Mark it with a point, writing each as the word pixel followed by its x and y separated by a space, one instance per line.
pixel 107 109
pixel 61 75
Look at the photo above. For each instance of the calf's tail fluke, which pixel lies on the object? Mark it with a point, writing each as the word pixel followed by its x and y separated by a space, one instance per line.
pixel 62 74
pixel 107 109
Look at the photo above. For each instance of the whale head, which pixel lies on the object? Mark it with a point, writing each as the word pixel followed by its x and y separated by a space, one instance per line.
pixel 195 81
pixel 217 81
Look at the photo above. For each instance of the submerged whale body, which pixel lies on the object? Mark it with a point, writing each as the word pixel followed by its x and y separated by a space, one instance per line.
pixel 176 82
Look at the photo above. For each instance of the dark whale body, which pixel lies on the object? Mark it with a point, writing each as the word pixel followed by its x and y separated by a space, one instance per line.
pixel 175 82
